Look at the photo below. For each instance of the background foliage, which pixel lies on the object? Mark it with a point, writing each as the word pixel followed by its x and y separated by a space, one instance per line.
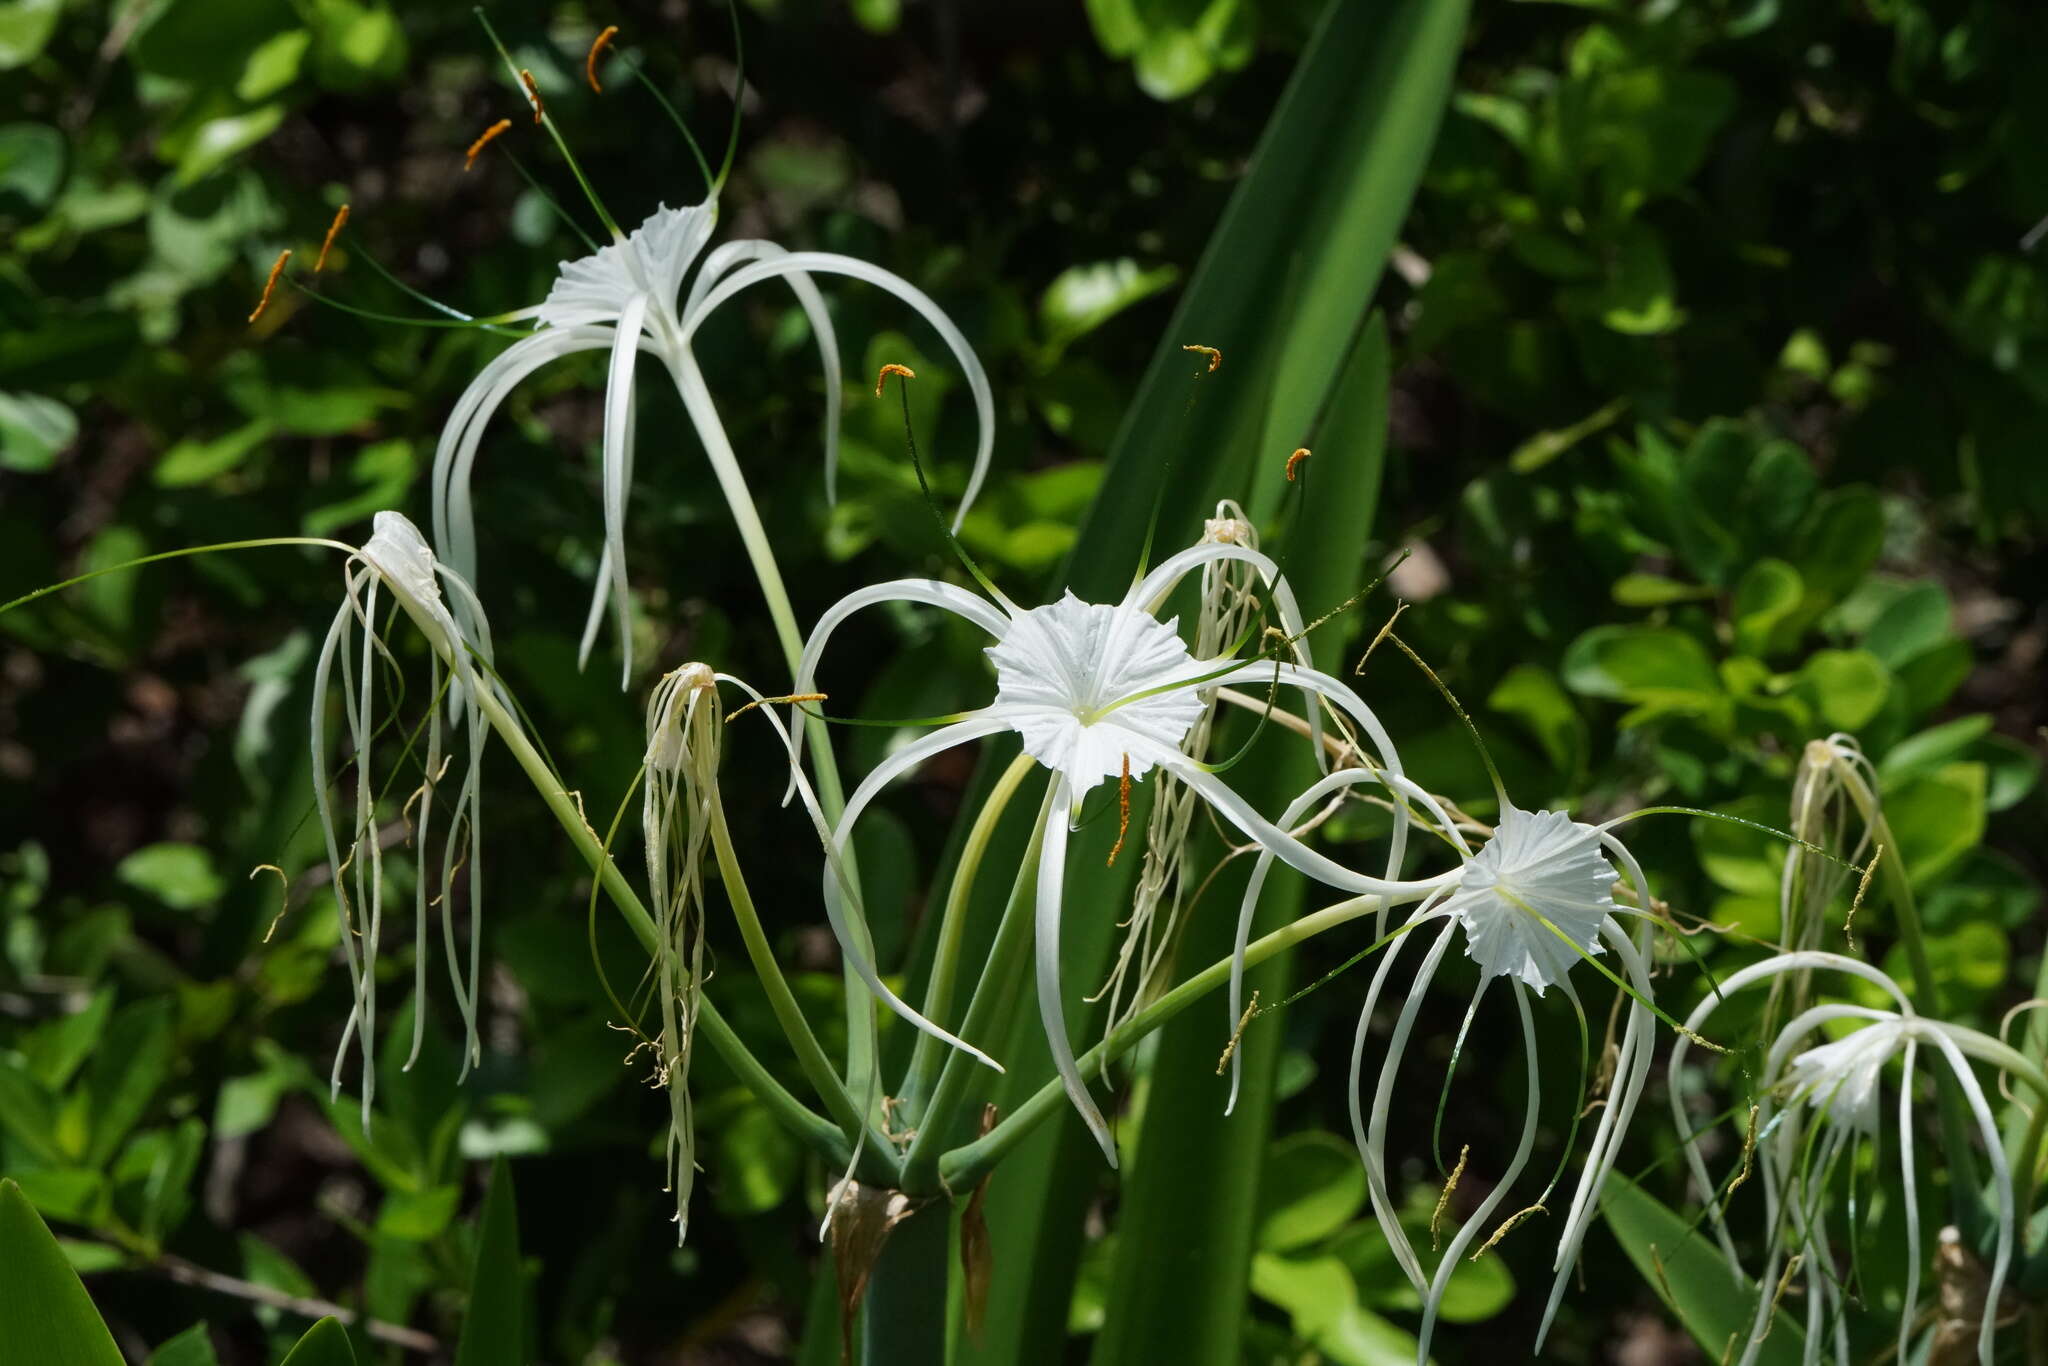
pixel 1718 378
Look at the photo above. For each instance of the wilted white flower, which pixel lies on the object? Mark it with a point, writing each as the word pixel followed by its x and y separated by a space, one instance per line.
pixel 625 298
pixel 1096 691
pixel 1815 1103
pixel 396 560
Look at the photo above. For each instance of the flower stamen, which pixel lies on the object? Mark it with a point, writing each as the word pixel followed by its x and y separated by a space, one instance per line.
pixel 533 94
pixel 270 285
pixel 490 135
pixel 327 243
pixel 1123 812
pixel 1301 453
pixel 882 375
pixel 1443 1199
pixel 1855 902
pixel 776 701
pixel 597 47
pixel 1215 356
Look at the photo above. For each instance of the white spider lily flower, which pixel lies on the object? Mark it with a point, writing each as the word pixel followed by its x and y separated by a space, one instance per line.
pixel 1095 690
pixel 396 560
pixel 1815 1103
pixel 627 297
pixel 1532 901
pixel 684 730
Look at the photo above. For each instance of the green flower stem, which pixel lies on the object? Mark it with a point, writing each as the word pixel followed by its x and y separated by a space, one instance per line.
pixel 938 999
pixel 994 996
pixel 962 1167
pixel 725 465
pixel 810 1054
pixel 813 1128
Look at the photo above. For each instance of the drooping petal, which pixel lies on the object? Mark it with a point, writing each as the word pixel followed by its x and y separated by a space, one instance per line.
pixel 897 764
pixel 829 263
pixel 731 254
pixel 1286 847
pixel 1052 873
pixel 455 453
pixel 1454 1254
pixel 926 592
pixel 1255 884
pixel 618 472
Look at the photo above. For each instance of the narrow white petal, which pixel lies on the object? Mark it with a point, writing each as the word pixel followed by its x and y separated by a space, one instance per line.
pixel 1052 873
pixel 829 263
pixel 618 407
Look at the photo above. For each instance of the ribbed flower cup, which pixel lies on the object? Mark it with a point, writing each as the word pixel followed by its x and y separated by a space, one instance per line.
pixel 1100 692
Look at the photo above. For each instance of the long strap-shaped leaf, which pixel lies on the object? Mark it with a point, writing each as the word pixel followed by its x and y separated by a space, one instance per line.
pixel 1281 291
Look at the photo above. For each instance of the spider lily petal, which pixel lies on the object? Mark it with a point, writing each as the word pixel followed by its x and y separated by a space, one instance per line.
pixel 396 559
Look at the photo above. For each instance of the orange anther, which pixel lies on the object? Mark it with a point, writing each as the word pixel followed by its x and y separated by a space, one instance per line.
pixel 1215 356
pixel 892 369
pixel 475 148
pixel 1123 812
pixel 597 47
pixel 270 285
pixel 1300 454
pixel 532 93
pixel 327 243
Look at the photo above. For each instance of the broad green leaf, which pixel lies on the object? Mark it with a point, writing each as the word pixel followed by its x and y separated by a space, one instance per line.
pixel 1532 695
pixel 418 1215
pixel 1742 858
pixel 1970 961
pixel 1930 749
pixel 195 460
pixel 1478 1290
pixel 357 46
pixel 32 157
pixel 193 1347
pixel 34 431
pixel 1312 1186
pixel 325 1344
pixel 1846 687
pixel 1937 819
pixel 206 41
pixel 273 65
pixel 1839 543
pixel 1692 1278
pixel 25 29
pixel 1656 667
pixel 55 1050
pixel 1769 592
pixel 1913 623
pixel 1083 298
pixel 126 1072
pixel 211 143
pixel 181 876
pixel 1322 1301
pixel 49 1318
pixel 494 1327
pixel 1655 590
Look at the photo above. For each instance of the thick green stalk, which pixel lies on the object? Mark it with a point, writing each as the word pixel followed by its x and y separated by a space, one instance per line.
pixel 938 999
pixel 810 1054
pixel 995 996
pixel 813 1128
pixel 903 1322
pixel 964 1166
